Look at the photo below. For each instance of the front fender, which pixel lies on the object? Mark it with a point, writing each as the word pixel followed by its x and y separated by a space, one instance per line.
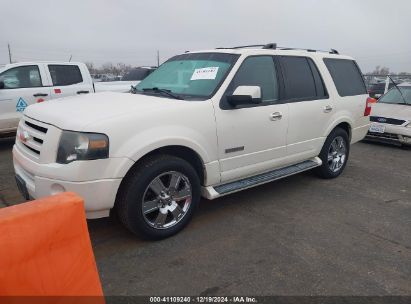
pixel 151 139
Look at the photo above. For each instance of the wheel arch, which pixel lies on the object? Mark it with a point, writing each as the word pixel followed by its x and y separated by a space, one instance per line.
pixel 181 151
pixel 344 124
pixel 346 127
pixel 184 152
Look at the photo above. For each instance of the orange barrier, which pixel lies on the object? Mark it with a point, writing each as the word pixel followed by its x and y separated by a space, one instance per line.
pixel 45 249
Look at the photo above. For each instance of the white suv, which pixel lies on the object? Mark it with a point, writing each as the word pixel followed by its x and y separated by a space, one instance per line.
pixel 204 123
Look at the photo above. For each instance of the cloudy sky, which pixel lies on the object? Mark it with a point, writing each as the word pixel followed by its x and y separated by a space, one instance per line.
pixel 375 32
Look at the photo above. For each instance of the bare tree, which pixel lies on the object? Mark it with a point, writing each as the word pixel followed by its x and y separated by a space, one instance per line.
pixel 380 71
pixel 123 68
pixel 91 68
pixel 109 68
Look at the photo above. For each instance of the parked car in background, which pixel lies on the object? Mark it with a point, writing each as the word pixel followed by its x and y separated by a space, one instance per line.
pixel 109 77
pixel 375 90
pixel 205 124
pixel 26 83
pixel 132 78
pixel 391 116
pixel 138 74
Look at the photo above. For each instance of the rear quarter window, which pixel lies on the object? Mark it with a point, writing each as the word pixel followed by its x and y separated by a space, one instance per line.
pixel 63 75
pixel 347 76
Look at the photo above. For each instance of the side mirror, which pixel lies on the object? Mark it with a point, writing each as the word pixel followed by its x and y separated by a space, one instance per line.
pixel 245 95
pixel 372 100
pixel 1 84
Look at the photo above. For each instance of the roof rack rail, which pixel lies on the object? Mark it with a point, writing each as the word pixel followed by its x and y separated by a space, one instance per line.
pixel 273 46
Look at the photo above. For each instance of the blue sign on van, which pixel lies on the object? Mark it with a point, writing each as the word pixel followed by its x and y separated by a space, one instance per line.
pixel 21 105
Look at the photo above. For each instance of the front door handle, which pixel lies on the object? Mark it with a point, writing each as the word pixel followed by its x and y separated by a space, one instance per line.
pixel 328 109
pixel 83 92
pixel 276 116
pixel 40 95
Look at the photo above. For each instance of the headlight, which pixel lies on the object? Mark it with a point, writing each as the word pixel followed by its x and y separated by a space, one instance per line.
pixel 81 146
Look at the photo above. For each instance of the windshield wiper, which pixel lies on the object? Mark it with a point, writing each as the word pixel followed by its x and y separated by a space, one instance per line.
pixel 395 85
pixel 133 89
pixel 164 91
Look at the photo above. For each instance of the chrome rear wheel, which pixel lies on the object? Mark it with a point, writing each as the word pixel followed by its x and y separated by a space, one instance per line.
pixel 334 154
pixel 337 154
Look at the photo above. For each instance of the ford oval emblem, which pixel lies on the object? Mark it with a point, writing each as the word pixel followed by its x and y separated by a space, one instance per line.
pixel 24 136
pixel 381 119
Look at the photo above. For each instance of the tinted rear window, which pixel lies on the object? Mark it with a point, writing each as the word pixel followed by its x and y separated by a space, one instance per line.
pixel 62 75
pixel 347 76
pixel 302 79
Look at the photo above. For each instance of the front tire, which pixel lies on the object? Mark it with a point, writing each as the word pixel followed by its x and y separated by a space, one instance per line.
pixel 158 197
pixel 334 154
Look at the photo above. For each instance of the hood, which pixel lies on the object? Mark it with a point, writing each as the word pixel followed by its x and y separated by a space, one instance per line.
pixel 76 112
pixel 397 111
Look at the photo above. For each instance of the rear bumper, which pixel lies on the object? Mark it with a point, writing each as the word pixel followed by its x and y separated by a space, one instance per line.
pixel 359 133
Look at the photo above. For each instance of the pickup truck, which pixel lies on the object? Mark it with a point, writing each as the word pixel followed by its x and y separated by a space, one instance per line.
pixel 204 124
pixel 26 83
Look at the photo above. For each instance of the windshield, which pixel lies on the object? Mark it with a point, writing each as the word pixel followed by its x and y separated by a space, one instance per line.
pixel 393 96
pixel 195 75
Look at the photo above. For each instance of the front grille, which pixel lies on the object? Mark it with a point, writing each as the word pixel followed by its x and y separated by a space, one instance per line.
pixel 36 127
pixel 31 136
pixel 40 141
pixel 391 121
pixel 31 149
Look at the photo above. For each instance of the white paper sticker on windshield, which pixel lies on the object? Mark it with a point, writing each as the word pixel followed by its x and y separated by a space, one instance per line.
pixel 205 73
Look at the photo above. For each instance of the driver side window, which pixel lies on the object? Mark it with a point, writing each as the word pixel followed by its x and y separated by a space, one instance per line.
pixel 21 77
pixel 258 71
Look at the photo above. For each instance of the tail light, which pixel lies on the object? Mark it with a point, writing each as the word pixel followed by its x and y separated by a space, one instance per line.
pixel 368 103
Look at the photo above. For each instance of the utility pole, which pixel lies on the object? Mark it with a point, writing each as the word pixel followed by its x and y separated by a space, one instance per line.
pixel 8 45
pixel 158 58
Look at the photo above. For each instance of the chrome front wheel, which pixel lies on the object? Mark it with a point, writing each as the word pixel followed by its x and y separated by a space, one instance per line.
pixel 166 200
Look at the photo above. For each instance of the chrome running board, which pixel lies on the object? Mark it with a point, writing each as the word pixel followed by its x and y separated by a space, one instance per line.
pixel 259 179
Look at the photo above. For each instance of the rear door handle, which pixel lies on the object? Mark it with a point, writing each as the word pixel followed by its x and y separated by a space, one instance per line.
pixel 40 95
pixel 328 109
pixel 276 116
pixel 83 92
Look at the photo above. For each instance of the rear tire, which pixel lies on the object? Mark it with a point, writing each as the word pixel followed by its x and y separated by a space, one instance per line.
pixel 334 154
pixel 158 197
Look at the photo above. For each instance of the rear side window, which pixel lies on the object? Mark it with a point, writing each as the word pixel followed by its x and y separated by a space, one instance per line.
pixel 346 76
pixel 301 78
pixel 63 75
